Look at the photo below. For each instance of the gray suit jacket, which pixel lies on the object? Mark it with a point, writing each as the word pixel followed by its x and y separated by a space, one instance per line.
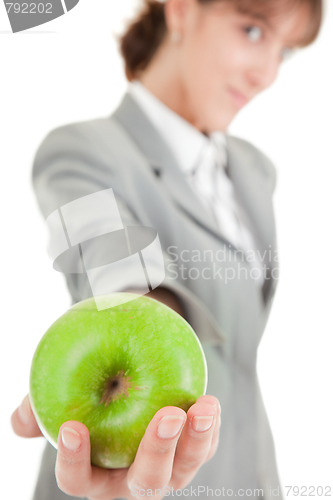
pixel 225 306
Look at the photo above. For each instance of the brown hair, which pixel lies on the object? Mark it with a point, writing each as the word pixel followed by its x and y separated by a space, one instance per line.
pixel 146 32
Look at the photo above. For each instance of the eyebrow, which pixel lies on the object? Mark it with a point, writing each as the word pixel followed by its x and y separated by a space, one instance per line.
pixel 259 17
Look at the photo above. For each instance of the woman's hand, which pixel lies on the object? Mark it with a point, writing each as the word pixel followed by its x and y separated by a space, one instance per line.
pixel 174 447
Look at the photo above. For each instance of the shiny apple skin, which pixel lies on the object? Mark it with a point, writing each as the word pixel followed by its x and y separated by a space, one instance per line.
pixel 141 348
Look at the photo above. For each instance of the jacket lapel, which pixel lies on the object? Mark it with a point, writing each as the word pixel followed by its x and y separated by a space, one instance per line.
pixel 253 187
pixel 244 170
pixel 164 164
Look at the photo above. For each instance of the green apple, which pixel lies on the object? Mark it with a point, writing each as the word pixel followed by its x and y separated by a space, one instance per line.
pixel 112 369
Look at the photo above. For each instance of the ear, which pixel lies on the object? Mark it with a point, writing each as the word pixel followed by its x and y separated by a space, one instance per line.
pixel 176 14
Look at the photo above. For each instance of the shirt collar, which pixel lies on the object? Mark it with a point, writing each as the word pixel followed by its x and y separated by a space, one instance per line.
pixel 186 142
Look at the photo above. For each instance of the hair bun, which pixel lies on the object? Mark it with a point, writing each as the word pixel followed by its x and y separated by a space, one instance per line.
pixel 143 37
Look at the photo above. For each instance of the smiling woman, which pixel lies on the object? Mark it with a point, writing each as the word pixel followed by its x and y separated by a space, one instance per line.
pixel 167 156
pixel 230 51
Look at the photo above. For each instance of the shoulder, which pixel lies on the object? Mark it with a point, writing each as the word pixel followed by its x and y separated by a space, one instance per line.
pixel 97 147
pixel 255 159
pixel 81 158
pixel 80 136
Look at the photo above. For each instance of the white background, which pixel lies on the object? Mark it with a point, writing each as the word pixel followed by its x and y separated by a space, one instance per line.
pixel 69 70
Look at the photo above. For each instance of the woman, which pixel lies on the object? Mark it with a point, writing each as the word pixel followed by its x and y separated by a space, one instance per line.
pixel 171 165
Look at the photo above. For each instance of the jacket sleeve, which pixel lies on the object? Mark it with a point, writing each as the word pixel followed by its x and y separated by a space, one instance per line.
pixel 77 191
pixel 75 174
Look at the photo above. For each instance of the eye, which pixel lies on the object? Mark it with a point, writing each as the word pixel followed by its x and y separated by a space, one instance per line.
pixel 254 33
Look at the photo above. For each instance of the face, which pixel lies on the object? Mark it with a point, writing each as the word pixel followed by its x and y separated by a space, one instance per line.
pixel 225 58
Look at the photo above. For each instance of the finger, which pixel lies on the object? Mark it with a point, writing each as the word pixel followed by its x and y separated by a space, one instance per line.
pixel 196 440
pixel 73 469
pixel 23 420
pixel 74 473
pixel 152 467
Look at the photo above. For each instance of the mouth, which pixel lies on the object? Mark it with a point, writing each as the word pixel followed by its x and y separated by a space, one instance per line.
pixel 237 98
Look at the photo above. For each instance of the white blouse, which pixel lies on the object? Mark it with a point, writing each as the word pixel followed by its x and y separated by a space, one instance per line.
pixel 203 160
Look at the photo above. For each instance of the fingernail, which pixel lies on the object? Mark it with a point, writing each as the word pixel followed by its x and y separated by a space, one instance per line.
pixel 201 424
pixel 169 426
pixel 24 411
pixel 70 439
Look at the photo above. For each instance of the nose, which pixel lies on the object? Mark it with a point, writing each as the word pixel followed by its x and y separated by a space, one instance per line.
pixel 263 72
